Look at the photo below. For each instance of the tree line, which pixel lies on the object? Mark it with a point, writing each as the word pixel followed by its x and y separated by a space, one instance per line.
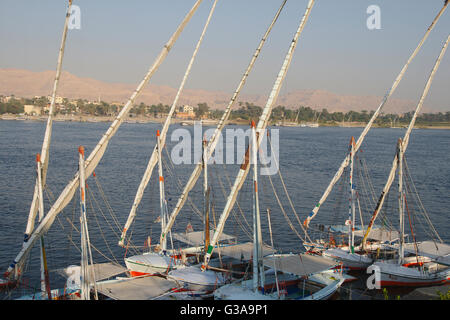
pixel 246 111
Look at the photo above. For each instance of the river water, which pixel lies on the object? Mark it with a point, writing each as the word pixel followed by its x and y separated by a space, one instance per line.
pixel 308 157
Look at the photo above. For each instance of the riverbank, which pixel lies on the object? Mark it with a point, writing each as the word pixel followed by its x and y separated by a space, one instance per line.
pixel 207 122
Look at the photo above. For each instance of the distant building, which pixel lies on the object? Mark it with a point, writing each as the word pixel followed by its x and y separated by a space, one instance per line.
pixel 186 112
pixel 188 109
pixel 32 110
pixel 6 99
pixel 58 100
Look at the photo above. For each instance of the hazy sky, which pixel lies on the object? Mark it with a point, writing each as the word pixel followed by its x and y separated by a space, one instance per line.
pixel 119 40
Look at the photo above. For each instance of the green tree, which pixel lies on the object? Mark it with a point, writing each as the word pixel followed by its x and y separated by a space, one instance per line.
pixel 202 110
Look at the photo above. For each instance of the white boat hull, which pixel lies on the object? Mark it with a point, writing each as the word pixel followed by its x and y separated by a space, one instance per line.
pixel 396 275
pixel 352 261
pixel 151 264
pixel 244 291
pixel 197 282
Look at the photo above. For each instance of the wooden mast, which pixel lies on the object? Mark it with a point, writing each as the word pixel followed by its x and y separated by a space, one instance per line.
pixel 258 269
pixel 45 280
pixel 44 155
pixel 162 199
pixel 351 210
pixel 87 274
pixel 84 283
pixel 401 202
pixel 205 193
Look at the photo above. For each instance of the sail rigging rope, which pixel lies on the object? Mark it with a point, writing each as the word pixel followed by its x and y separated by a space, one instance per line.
pixel 103 195
pixel 423 211
pixel 340 197
pixel 284 212
pixel 365 185
pixel 412 231
pixel 90 196
pixel 92 246
pixel 172 172
pixel 112 214
pixel 227 176
pixel 282 182
pixel 243 228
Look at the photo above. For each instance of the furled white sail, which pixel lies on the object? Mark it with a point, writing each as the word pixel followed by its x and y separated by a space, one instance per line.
pixel 299 264
pixel 154 157
pixel 405 142
pixel 260 129
pixel 67 194
pixel 216 136
pixel 48 131
pixel 345 163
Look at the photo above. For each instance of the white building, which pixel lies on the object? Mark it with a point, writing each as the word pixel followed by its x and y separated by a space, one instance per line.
pixel 188 109
pixel 58 100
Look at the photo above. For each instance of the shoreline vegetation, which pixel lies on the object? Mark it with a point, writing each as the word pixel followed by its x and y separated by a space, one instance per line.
pixel 79 110
pixel 207 122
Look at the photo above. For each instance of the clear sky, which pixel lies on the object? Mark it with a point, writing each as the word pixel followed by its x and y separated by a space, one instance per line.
pixel 119 40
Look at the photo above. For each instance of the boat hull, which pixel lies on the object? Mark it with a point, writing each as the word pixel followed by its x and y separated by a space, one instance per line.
pixel 56 294
pixel 392 275
pixel 351 261
pixel 150 264
pixel 197 282
pixel 290 288
pixel 7 284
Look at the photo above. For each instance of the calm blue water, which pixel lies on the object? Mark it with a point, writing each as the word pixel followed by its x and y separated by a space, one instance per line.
pixel 309 157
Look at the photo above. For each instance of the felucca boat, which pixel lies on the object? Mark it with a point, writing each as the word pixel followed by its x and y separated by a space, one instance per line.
pixel 280 276
pixel 33 235
pixel 418 263
pixel 347 255
pixel 164 261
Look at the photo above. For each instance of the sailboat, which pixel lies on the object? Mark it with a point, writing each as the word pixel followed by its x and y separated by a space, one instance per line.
pixel 291 123
pixel 280 276
pixel 244 250
pixel 346 254
pixel 160 258
pixel 418 263
pixel 362 259
pixel 196 282
pixel 315 123
pixel 33 235
pixel 82 289
pixel 42 161
pixel 250 289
